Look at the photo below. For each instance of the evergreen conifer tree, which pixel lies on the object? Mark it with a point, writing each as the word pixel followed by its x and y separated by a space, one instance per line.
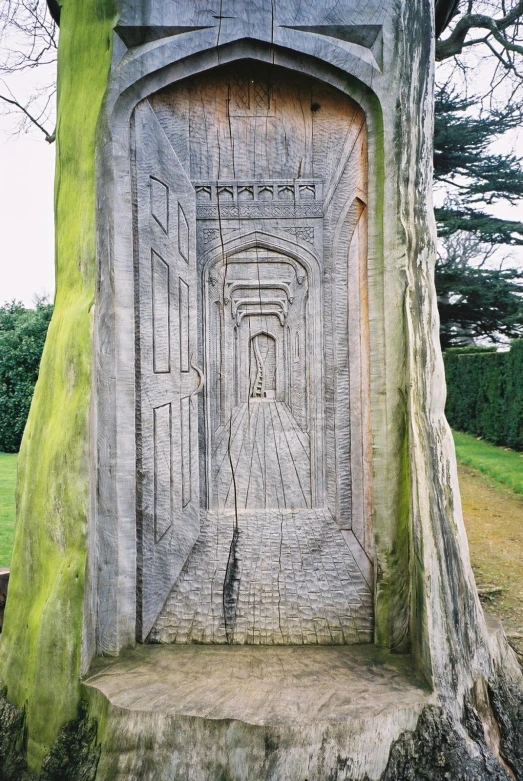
pixel 476 300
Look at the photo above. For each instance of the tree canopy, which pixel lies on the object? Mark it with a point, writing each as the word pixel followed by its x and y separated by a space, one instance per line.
pixel 477 177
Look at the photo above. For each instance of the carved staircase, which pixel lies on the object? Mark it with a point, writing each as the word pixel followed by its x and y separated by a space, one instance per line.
pixel 257 392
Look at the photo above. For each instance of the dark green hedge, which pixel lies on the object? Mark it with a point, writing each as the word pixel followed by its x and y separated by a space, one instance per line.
pixel 485 393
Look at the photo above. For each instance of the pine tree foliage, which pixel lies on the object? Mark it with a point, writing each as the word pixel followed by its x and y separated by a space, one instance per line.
pixel 477 300
pixel 477 177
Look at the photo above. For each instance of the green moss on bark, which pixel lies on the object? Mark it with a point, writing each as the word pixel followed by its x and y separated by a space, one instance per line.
pixel 41 641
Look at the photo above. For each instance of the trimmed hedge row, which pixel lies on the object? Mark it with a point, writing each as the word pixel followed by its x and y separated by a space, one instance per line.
pixel 485 393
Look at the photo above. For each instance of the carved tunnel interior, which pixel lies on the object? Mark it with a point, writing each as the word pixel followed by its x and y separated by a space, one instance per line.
pixel 256 315
pixel 252 372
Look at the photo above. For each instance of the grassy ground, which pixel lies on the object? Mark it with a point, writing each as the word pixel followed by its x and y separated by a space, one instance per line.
pixel 491 484
pixel 502 465
pixel 7 506
pixel 494 522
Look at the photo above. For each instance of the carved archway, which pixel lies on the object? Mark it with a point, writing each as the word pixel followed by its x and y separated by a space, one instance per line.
pixel 298 247
pixel 242 278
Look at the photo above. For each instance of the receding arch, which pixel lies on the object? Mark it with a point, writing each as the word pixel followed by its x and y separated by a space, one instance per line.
pixel 306 267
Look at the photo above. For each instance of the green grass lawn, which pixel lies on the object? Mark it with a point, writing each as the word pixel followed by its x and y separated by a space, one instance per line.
pixel 7 506
pixel 502 465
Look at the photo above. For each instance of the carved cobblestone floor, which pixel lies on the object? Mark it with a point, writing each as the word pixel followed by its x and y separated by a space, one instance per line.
pixel 290 580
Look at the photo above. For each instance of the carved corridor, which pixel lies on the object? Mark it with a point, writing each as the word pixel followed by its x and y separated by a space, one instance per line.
pixel 262 459
pixel 254 383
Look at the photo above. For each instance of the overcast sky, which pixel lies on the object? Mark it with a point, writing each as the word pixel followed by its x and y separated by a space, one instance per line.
pixel 26 216
pixel 26 202
pixel 26 209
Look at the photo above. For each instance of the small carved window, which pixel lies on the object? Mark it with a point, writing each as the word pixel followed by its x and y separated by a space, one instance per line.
pixel 261 97
pixel 240 95
pixel 249 97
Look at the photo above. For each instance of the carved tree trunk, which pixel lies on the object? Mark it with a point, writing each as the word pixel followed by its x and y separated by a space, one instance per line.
pixel 61 611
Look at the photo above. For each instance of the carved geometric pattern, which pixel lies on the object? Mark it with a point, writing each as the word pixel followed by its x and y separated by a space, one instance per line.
pixel 183 234
pixel 225 193
pixel 266 191
pixel 161 315
pixel 304 234
pixel 162 436
pixel 184 315
pixel 261 210
pixel 160 203
pixel 210 234
pixel 319 596
pixel 240 94
pixel 261 97
pixel 308 189
pixel 260 199
pixel 286 191
pixel 213 234
pixel 246 192
pixel 203 191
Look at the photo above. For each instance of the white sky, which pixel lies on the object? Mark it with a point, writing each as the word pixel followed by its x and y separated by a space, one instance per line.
pixel 26 202
pixel 26 208
pixel 26 216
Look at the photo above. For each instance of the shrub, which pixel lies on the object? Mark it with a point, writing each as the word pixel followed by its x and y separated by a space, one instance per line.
pixel 22 337
pixel 485 393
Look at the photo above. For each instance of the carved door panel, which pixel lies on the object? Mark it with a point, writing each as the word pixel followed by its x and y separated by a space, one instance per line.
pixel 168 488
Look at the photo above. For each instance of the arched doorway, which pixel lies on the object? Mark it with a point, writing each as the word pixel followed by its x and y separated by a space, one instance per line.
pixel 259 438
pixel 241 205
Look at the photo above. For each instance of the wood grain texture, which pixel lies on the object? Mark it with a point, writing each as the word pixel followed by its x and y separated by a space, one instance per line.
pixel 284 420
pixel 168 517
pixel 336 102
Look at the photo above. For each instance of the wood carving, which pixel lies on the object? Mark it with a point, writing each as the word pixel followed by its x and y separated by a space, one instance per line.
pixel 274 457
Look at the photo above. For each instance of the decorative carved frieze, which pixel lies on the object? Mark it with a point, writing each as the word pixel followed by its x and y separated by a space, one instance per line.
pixel 280 199
pixel 261 210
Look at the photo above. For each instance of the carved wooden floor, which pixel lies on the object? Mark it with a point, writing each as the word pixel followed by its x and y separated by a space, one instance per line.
pixel 285 577
pixel 270 456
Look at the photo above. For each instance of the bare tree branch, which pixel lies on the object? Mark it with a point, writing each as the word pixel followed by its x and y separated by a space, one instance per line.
pixel 504 30
pixel 28 41
pixel 49 137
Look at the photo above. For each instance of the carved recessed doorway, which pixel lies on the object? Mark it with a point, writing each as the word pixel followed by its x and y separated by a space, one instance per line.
pixel 252 373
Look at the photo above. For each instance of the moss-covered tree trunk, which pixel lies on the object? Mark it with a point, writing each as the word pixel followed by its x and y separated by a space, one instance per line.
pixel 41 642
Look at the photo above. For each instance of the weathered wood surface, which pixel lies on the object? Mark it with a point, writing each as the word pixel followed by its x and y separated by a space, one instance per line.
pixel 253 713
pixel 168 490
pixel 305 132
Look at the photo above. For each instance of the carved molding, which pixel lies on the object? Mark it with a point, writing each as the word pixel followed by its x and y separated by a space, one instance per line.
pixel 279 198
pixel 261 210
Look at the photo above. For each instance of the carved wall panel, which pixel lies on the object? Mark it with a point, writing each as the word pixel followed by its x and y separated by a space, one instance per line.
pixel 278 441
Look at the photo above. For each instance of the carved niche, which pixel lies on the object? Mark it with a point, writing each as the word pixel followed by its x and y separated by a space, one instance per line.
pixel 252 373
